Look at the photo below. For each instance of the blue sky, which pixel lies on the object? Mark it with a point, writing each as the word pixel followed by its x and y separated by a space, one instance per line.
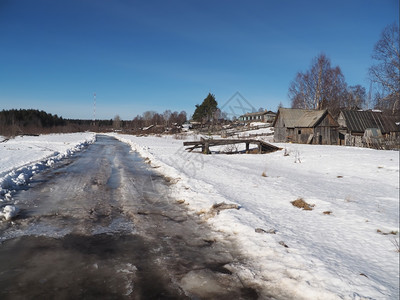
pixel 158 55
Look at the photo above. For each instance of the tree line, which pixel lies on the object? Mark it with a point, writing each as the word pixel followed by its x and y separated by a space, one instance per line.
pixel 323 86
pixel 166 119
pixel 30 121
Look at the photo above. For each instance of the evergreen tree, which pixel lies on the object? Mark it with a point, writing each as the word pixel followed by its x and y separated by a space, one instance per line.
pixel 206 110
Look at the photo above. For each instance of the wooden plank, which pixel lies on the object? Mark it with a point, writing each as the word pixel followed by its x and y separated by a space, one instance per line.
pixel 206 144
pixel 192 143
pixel 190 149
pixel 206 148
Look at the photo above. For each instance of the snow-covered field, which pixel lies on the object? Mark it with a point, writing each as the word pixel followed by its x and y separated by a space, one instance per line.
pixel 344 248
pixel 24 156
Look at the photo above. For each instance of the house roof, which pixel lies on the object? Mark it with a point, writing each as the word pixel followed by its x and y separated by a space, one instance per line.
pixel 259 113
pixel 300 117
pixel 358 121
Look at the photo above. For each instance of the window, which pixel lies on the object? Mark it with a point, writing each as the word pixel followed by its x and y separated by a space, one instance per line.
pixel 299 132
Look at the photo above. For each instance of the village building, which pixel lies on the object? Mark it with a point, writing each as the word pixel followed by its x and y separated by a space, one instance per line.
pixel 266 116
pixel 361 128
pixel 305 127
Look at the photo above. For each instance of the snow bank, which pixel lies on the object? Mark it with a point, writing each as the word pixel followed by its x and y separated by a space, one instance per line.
pixel 7 212
pixel 24 156
pixel 342 249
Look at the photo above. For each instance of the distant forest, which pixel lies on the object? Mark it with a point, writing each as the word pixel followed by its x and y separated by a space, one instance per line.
pixel 33 122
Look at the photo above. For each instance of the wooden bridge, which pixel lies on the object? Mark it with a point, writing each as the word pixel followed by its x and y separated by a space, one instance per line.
pixel 205 144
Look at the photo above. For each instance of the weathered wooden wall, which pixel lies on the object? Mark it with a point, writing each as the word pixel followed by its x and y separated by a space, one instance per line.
pixel 325 133
pixel 301 135
pixel 280 131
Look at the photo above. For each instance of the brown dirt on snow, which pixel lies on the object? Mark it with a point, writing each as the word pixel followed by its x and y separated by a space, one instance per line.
pixel 300 203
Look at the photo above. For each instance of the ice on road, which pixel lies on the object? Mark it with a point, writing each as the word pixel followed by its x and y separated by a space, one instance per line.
pixel 103 224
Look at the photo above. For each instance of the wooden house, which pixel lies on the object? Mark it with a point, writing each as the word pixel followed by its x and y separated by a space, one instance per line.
pixel 262 116
pixel 353 125
pixel 305 127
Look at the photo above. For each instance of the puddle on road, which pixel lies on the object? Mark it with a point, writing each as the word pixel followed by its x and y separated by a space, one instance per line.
pixel 105 228
pixel 75 267
pixel 113 266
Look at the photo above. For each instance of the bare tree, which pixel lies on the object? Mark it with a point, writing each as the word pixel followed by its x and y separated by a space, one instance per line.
pixel 216 116
pixel 320 87
pixel 386 73
pixel 117 122
pixel 335 90
pixel 167 116
pixel 182 117
pixel 299 92
pixel 174 117
pixel 137 122
pixel 356 98
pixel 157 119
pixel 148 117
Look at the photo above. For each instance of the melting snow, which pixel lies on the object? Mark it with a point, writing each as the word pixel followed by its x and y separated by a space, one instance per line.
pixel 344 248
pixel 24 156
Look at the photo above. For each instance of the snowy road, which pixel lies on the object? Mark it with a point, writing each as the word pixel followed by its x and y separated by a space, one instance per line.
pixel 102 224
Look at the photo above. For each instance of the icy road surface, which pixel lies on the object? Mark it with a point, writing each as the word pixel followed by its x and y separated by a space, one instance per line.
pixel 102 224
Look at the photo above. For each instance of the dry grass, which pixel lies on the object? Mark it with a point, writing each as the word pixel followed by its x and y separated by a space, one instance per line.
pixel 171 180
pixel 286 152
pixel 270 231
pixel 386 233
pixel 300 203
pixel 328 212
pixel 396 245
pixel 230 149
pixel 282 243
pixel 252 151
pixel 216 208
pixel 179 136
pixel 221 206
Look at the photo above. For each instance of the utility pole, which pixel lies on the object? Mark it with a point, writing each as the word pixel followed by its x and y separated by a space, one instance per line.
pixel 94 109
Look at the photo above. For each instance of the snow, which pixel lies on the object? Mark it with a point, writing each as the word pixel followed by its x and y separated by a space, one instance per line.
pixel 8 212
pixel 348 252
pixel 261 124
pixel 24 156
pixel 267 131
